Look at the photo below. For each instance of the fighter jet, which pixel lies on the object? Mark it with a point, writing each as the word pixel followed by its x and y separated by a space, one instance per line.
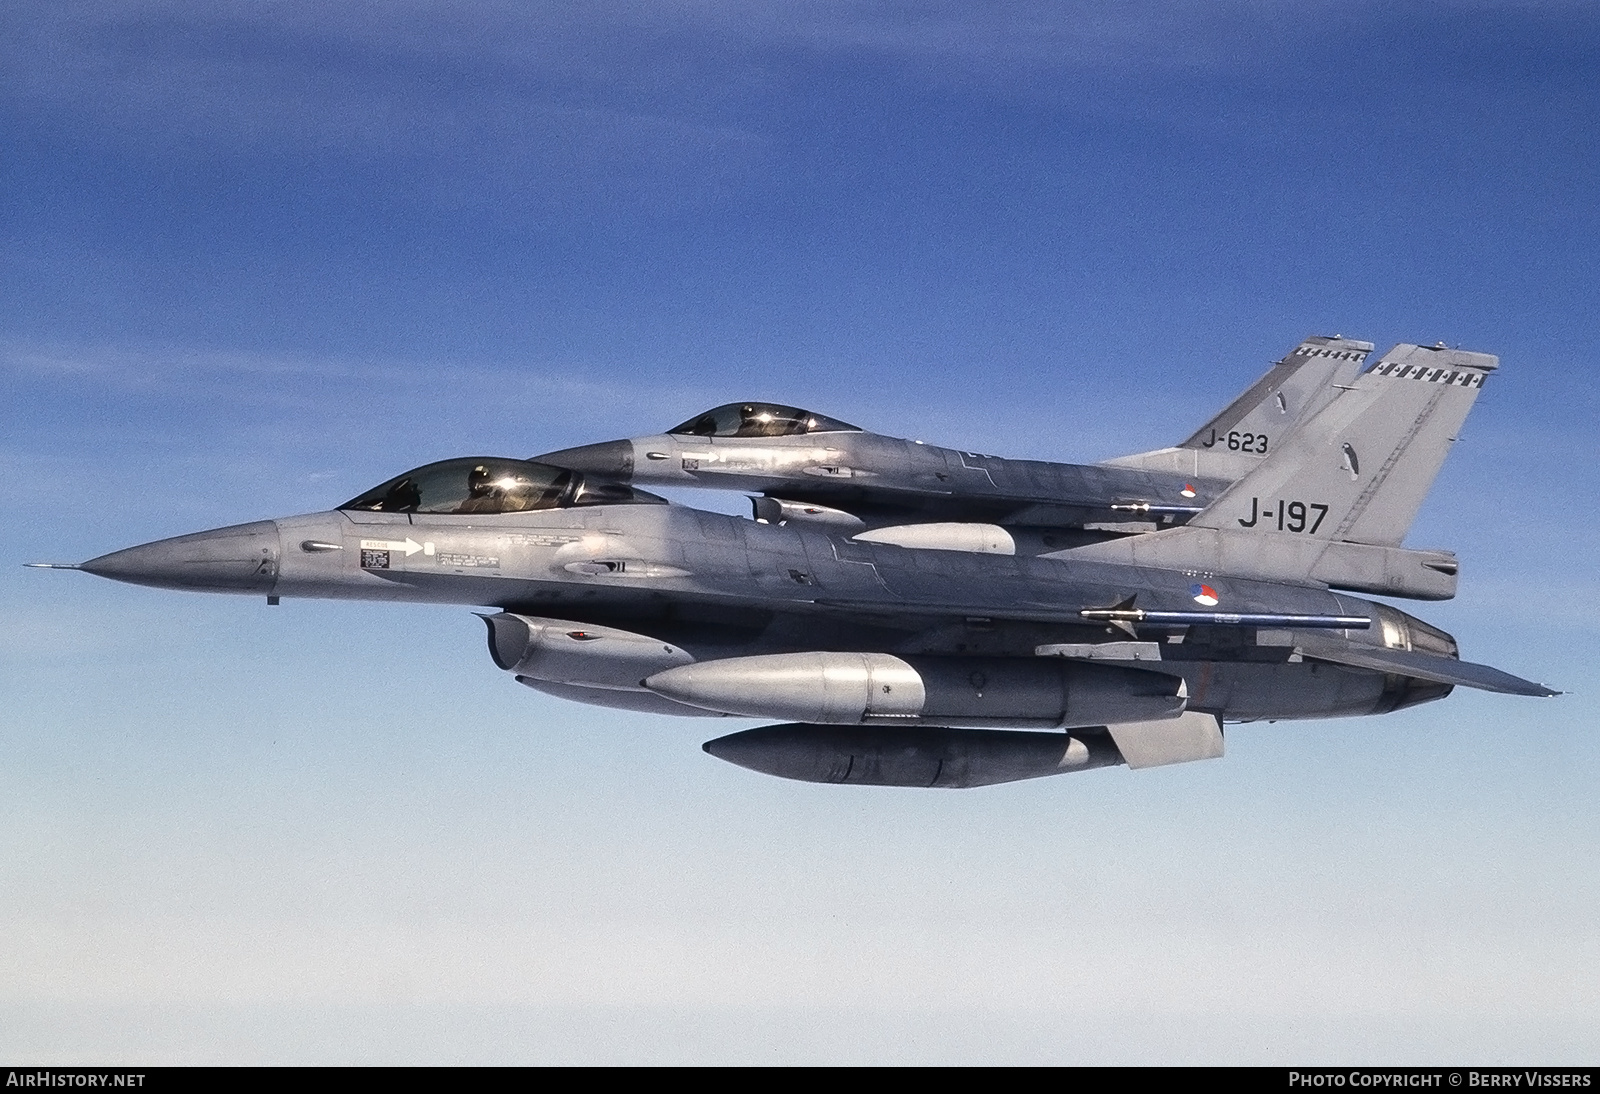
pixel 806 467
pixel 888 665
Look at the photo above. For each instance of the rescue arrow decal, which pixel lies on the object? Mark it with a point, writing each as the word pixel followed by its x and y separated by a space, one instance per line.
pixel 408 545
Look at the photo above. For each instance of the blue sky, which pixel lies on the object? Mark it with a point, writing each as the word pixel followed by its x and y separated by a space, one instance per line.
pixel 255 258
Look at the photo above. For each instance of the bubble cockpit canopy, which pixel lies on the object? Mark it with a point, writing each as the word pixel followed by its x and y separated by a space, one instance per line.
pixel 760 420
pixel 491 484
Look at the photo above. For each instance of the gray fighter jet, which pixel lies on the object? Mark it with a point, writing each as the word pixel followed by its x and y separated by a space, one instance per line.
pixel 808 468
pixel 901 665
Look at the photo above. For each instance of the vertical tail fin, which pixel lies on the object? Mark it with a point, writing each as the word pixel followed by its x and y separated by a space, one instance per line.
pixel 1265 415
pixel 1291 391
pixel 1359 469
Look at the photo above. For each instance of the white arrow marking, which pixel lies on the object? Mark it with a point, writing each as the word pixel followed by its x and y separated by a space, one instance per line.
pixel 409 545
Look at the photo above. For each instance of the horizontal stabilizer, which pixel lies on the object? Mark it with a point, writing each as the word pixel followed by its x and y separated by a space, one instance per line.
pixel 1425 666
pixel 1241 552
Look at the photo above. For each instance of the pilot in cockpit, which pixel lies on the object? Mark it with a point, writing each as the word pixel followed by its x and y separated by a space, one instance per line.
pixel 483 495
pixel 759 420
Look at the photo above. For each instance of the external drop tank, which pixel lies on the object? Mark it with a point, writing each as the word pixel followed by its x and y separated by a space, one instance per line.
pixel 924 757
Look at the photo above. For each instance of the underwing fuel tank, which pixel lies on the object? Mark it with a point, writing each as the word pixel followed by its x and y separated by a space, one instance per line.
pixel 927 757
pixel 880 688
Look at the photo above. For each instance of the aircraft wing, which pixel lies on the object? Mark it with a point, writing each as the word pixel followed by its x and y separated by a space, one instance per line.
pixel 1413 663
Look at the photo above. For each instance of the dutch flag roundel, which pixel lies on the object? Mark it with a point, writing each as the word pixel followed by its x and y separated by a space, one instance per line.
pixel 1204 594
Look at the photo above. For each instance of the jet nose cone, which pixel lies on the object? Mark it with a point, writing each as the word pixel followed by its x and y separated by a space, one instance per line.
pixel 608 459
pixel 240 559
